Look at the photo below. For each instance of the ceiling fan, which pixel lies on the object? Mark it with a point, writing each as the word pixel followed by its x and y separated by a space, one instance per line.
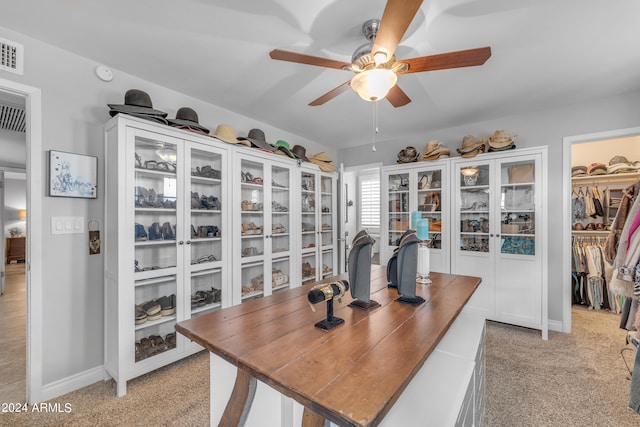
pixel 376 66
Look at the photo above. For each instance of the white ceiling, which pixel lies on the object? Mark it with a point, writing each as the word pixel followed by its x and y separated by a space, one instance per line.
pixel 544 53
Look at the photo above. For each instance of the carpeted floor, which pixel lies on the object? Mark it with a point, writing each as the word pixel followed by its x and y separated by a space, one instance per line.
pixel 576 379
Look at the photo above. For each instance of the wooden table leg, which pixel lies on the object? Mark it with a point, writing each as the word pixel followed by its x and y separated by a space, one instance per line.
pixel 235 414
pixel 311 419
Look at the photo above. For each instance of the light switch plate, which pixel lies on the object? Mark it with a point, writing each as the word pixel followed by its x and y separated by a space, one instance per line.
pixel 67 224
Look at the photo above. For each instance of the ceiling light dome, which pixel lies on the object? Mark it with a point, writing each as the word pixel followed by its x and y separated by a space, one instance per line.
pixel 374 84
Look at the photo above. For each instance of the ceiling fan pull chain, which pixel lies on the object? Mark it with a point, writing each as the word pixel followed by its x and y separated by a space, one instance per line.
pixel 375 124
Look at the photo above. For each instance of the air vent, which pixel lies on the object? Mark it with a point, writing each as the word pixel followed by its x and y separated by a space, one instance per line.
pixel 12 117
pixel 11 56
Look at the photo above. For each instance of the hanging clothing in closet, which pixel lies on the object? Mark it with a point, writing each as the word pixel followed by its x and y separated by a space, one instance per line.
pixel 589 274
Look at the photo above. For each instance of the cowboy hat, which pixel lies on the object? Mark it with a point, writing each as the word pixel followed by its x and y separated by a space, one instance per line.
pixel 501 138
pixel 408 155
pixel 434 150
pixel 187 117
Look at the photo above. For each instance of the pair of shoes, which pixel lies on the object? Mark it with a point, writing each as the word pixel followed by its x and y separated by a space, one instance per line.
pixel 167 305
pixel 150 346
pixel 308 227
pixel 278 278
pixel 257 283
pixel 137 267
pixel 168 232
pixel 141 315
pixel 250 251
pixel 155 232
pixel 277 207
pixel 204 259
pixel 277 185
pixel 248 206
pixel 250 228
pixel 278 229
pixel 326 227
pixel 246 176
pixel 160 166
pixel 210 202
pixel 306 269
pixel 207 172
pixel 151 309
pixel 141 234
pixel 325 209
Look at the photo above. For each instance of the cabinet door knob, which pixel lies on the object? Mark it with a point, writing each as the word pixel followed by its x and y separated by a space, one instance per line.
pixel 181 242
pixel 188 242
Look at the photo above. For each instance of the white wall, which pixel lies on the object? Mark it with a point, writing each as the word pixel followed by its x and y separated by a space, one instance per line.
pixel 602 151
pixel 74 110
pixel 534 129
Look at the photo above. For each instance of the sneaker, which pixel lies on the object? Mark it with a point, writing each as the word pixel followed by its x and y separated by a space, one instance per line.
pixel 155 233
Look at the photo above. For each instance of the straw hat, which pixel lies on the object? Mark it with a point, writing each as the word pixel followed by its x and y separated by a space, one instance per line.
pixel 227 134
pixel 471 146
pixel 434 150
pixel 501 138
pixel 323 160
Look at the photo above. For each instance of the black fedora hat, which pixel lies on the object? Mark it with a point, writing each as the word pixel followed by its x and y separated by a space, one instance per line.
pixel 136 102
pixel 187 117
pixel 257 138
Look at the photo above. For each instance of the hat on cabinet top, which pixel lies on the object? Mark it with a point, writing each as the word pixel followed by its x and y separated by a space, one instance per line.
pixel 408 155
pixel 578 171
pixel 136 102
pixel 597 169
pixel 434 150
pixel 470 143
pixel 501 139
pixel 257 139
pixel 323 161
pixel 300 152
pixel 187 117
pixel 282 147
pixel 227 134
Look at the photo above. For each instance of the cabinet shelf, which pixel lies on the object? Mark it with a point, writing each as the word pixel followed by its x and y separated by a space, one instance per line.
pixel 206 307
pixel 205 180
pixel 149 323
pixel 155 172
pixel 158 242
pixel 150 277
pixel 204 211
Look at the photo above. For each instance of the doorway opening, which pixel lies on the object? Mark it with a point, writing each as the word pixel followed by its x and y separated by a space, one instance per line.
pixel 590 169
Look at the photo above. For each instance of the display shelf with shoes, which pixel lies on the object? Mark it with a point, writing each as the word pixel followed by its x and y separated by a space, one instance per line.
pixel 264 223
pixel 317 219
pixel 168 221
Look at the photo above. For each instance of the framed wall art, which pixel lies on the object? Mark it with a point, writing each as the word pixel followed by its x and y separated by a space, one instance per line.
pixel 72 175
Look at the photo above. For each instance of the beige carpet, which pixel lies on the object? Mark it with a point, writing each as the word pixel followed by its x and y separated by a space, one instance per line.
pixel 569 380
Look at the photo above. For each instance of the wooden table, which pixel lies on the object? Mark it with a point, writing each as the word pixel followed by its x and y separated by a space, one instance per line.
pixel 374 354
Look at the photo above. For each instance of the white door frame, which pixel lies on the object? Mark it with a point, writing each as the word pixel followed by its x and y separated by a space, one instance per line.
pixel 33 110
pixel 567 142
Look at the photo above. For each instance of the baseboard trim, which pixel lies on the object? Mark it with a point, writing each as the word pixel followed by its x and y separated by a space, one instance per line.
pixel 556 325
pixel 72 383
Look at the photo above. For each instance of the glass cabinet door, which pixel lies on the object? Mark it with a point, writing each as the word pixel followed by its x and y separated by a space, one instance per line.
pixel 204 238
pixel 326 225
pixel 430 200
pixel 517 208
pixel 474 208
pixel 156 252
pixel 399 214
pixel 252 233
pixel 280 227
pixel 309 233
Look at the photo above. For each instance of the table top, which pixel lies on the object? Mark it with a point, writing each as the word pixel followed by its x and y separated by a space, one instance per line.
pixel 352 374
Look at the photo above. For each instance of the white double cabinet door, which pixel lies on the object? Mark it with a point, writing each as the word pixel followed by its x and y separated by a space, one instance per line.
pixel 492 213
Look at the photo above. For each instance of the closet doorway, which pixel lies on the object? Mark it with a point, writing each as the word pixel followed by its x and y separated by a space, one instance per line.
pixel 590 180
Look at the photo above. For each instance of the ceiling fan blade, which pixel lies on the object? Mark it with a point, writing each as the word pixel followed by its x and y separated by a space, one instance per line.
pixel 443 61
pixel 396 18
pixel 331 94
pixel 397 97
pixel 301 58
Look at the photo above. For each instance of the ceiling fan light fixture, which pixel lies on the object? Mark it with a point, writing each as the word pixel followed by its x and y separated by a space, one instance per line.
pixel 380 58
pixel 374 84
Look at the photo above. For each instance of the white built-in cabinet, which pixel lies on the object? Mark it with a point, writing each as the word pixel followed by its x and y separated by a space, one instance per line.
pixel 228 229
pixel 499 233
pixel 318 227
pixel 493 225
pixel 157 243
pixel 422 187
